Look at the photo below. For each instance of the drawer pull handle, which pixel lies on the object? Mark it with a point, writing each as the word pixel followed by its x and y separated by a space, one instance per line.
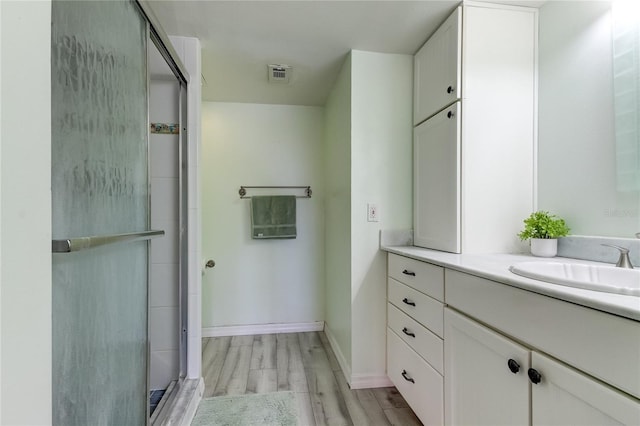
pixel 408 302
pixel 408 333
pixel 449 89
pixel 408 379
pixel 513 366
pixel 413 274
pixel 534 376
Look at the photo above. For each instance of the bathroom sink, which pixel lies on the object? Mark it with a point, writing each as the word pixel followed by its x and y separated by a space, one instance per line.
pixel 608 279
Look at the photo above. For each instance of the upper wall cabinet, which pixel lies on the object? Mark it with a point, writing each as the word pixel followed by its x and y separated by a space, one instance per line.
pixel 474 165
pixel 437 70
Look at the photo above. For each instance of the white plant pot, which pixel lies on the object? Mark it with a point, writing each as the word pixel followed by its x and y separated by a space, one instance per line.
pixel 544 247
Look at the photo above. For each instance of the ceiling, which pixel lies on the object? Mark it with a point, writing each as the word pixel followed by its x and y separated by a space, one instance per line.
pixel 240 38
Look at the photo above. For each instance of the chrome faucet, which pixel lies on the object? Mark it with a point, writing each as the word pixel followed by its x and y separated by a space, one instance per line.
pixel 623 260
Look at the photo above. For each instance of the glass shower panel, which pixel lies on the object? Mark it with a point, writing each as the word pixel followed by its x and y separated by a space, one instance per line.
pixel 99 187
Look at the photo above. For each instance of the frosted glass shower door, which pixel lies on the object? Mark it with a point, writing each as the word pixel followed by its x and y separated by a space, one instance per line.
pixel 99 188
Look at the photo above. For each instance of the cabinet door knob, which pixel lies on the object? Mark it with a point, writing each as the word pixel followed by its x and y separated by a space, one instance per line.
pixel 406 377
pixel 450 114
pixel 513 366
pixel 407 332
pixel 408 302
pixel 449 89
pixel 413 274
pixel 534 376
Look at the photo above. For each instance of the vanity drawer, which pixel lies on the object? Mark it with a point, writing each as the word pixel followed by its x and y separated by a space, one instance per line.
pixel 422 308
pixel 425 343
pixel 420 385
pixel 422 276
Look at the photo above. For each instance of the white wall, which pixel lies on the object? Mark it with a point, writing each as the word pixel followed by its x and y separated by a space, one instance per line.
pixel 368 159
pixel 25 219
pixel 381 173
pixel 577 177
pixel 337 174
pixel 261 281
pixel 164 321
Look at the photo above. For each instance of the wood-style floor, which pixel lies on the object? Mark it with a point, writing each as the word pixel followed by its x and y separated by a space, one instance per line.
pixel 305 364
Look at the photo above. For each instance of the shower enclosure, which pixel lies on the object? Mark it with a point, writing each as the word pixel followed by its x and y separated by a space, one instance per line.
pixel 101 212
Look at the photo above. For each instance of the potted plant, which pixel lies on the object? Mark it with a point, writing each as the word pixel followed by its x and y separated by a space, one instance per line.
pixel 543 229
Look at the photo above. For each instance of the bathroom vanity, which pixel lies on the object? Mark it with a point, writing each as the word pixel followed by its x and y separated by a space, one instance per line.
pixel 469 342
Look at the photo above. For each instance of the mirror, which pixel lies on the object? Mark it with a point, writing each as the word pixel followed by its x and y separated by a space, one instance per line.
pixel 581 167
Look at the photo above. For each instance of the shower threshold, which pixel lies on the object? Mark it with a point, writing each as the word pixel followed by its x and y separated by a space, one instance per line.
pixel 157 408
pixel 179 403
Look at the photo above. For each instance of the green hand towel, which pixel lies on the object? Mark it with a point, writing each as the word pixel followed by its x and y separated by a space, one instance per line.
pixel 273 217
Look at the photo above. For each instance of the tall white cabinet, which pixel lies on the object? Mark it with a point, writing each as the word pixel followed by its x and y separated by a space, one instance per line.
pixel 474 140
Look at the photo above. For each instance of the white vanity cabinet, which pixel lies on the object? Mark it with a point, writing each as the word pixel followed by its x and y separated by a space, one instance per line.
pixel 415 326
pixel 483 385
pixel 491 379
pixel 467 350
pixel 475 85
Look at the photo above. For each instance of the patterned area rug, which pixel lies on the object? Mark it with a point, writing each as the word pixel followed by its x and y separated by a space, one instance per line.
pixel 263 409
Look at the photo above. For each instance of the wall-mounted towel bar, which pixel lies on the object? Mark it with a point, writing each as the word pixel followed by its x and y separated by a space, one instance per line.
pixel 307 190
pixel 83 243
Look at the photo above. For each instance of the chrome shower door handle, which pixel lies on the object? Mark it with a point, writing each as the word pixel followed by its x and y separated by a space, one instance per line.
pixel 83 243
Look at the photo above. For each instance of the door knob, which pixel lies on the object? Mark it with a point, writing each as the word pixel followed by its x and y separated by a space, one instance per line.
pixel 210 263
pixel 513 366
pixel 534 376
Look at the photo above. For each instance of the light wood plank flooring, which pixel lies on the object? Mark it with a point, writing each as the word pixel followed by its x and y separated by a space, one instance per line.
pixel 305 364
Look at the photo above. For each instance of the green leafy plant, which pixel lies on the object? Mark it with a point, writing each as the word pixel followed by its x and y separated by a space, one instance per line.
pixel 542 224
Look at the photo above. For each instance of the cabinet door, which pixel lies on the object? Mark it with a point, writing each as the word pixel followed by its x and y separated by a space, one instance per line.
pixel 436 185
pixel 485 375
pixel 437 70
pixel 565 396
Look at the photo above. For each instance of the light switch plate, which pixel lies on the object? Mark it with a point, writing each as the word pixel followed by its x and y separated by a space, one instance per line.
pixel 373 214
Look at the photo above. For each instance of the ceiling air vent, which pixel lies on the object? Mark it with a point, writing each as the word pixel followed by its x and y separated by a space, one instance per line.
pixel 279 73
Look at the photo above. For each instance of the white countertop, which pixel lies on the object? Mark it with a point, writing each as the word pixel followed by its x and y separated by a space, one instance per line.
pixel 495 267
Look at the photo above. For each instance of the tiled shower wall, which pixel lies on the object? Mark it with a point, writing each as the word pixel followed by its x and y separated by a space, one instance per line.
pixel 163 291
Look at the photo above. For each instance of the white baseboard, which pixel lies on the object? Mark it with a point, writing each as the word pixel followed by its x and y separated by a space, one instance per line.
pixel 342 361
pixel 366 381
pixel 244 330
pixel 356 381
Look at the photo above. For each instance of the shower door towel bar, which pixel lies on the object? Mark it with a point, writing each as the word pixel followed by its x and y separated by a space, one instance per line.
pixel 83 243
pixel 307 190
